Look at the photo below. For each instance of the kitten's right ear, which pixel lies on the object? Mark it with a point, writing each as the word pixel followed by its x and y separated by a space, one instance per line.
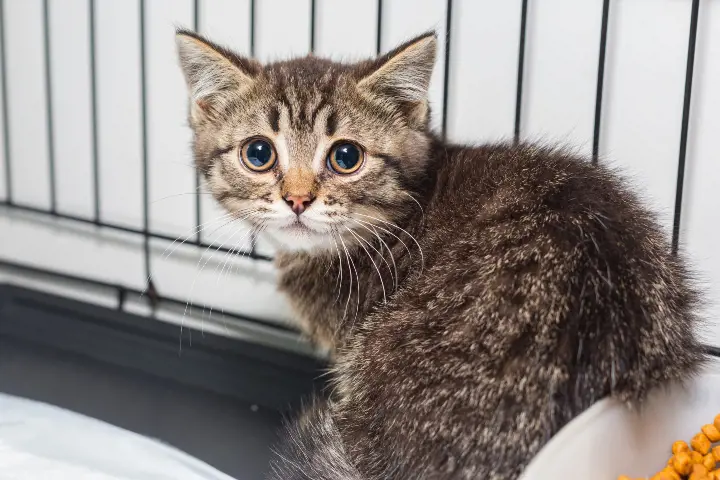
pixel 403 75
pixel 211 72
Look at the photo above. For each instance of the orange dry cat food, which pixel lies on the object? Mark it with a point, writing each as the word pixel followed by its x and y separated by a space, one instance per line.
pixel 698 461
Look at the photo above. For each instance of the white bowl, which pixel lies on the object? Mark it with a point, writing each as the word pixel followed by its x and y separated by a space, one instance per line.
pixel 609 439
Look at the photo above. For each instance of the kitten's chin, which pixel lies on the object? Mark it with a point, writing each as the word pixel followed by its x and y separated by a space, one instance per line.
pixel 300 239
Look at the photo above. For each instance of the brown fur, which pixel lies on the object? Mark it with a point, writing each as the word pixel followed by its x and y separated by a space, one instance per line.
pixel 484 296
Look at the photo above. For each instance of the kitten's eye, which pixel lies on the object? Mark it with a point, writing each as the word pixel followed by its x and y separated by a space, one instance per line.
pixel 258 155
pixel 345 158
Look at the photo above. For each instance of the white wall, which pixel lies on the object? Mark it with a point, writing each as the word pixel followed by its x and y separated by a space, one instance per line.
pixel 640 128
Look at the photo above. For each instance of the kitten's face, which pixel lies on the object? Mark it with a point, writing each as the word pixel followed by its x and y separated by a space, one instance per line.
pixel 311 151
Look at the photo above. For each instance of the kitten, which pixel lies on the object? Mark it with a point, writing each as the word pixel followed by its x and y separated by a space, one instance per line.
pixel 475 300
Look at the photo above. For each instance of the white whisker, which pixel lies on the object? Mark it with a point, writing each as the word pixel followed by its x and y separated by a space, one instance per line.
pixel 382 283
pixel 347 257
pixel 338 280
pixel 422 211
pixel 422 256
pixel 197 230
pixel 239 246
pixel 386 231
pixel 192 287
pixel 357 279
pixel 179 195
pixel 393 270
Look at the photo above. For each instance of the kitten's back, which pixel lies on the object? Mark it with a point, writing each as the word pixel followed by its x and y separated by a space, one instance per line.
pixel 546 286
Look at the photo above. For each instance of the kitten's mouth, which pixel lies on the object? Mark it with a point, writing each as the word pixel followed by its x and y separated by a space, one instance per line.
pixel 297 226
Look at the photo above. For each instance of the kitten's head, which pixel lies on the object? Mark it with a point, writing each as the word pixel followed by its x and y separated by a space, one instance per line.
pixel 310 149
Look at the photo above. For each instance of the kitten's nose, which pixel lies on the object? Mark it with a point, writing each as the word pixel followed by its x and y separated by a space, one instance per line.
pixel 299 203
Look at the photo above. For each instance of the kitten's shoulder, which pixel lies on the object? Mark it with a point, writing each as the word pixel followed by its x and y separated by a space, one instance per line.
pixel 528 176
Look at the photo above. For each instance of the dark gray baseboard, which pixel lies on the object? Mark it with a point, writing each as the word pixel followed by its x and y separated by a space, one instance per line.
pixel 219 399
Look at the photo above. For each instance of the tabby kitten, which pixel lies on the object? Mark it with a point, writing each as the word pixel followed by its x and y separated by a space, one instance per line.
pixel 475 299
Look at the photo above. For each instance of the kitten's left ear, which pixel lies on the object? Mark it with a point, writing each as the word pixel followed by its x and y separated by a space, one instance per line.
pixel 403 75
pixel 212 72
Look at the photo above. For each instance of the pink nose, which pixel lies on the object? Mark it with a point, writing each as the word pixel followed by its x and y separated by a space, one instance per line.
pixel 299 203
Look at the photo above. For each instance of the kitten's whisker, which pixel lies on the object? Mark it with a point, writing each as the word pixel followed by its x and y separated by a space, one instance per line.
pixel 196 230
pixel 254 232
pixel 382 283
pixel 382 242
pixel 422 256
pixel 208 226
pixel 422 211
pixel 357 305
pixel 347 257
pixel 236 248
pixel 338 280
pixel 392 257
pixel 179 195
pixel 192 287
pixel 226 257
pixel 386 231
pixel 357 279
pixel 200 228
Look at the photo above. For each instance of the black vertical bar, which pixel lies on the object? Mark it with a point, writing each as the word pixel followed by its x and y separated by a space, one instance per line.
pixel 6 117
pixel 94 112
pixel 685 124
pixel 252 28
pixel 253 239
pixel 378 39
pixel 49 107
pixel 600 80
pixel 446 80
pixel 198 235
pixel 122 296
pixel 312 25
pixel 520 70
pixel 146 173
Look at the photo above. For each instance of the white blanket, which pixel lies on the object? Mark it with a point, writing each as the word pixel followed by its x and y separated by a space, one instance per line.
pixel 44 442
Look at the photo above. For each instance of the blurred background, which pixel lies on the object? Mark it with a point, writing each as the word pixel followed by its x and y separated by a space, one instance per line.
pixel 99 201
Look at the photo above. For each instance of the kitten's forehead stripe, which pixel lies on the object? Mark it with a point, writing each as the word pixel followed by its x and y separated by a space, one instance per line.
pixel 274 118
pixel 288 106
pixel 331 124
pixel 314 113
pixel 221 151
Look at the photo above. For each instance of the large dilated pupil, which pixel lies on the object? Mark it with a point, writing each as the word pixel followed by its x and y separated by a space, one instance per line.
pixel 347 156
pixel 259 153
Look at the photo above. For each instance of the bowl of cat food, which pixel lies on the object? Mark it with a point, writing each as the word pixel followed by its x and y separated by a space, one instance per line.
pixel 675 435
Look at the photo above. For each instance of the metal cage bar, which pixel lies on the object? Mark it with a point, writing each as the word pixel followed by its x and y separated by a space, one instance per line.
pixel 694 14
pixel 94 111
pixel 6 116
pixel 446 73
pixel 600 80
pixel 198 212
pixel 520 70
pixel 49 106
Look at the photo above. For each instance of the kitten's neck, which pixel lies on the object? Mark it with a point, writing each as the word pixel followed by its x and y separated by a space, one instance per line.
pixel 332 292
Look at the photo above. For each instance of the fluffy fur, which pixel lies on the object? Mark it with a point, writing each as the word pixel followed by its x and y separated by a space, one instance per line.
pixel 475 299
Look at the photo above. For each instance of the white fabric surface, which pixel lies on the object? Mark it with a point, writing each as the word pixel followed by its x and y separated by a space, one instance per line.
pixel 609 439
pixel 44 442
